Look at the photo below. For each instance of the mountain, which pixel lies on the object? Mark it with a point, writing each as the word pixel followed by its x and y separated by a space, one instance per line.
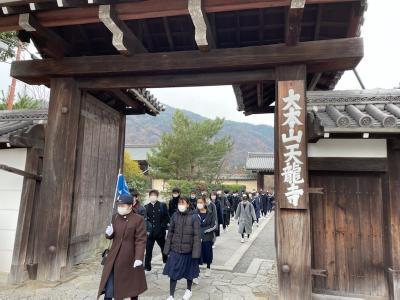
pixel 145 129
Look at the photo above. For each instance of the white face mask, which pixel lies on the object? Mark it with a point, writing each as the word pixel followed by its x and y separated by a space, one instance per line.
pixel 213 197
pixel 200 205
pixel 175 195
pixel 192 196
pixel 182 208
pixel 153 199
pixel 124 211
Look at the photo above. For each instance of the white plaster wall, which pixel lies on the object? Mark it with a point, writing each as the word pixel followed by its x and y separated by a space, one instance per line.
pixel 10 198
pixel 348 148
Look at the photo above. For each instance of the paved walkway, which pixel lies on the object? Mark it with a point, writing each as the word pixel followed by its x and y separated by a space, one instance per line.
pixel 262 248
pixel 229 250
pixel 241 271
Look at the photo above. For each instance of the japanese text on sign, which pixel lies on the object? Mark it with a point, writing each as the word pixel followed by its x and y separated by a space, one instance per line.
pixel 292 167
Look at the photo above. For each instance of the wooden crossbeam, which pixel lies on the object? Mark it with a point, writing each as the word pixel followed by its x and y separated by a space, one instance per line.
pixel 144 10
pixel 314 81
pixel 255 110
pixel 50 42
pixel 260 94
pixel 318 22
pixel 20 172
pixel 179 80
pixel 124 40
pixel 293 22
pixel 325 55
pixel 168 34
pixel 203 35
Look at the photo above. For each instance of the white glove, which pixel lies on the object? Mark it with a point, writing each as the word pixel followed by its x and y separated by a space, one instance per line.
pixel 137 263
pixel 109 230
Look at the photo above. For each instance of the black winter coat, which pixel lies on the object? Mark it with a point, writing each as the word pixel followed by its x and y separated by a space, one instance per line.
pixel 184 234
pixel 220 214
pixel 173 205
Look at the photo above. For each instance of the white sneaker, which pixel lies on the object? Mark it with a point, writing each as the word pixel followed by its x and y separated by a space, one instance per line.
pixel 170 298
pixel 208 273
pixel 242 240
pixel 247 239
pixel 258 225
pixel 187 295
pixel 147 272
pixel 196 281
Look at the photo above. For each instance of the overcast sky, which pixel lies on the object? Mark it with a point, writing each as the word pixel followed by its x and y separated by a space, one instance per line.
pixel 380 68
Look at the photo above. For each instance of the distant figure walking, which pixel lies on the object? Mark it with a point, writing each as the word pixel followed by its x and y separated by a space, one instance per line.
pixel 245 214
pixel 256 201
pixel 220 215
pixel 264 203
pixel 183 247
pixel 173 202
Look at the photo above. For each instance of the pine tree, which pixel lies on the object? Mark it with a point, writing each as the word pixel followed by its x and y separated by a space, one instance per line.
pixel 191 151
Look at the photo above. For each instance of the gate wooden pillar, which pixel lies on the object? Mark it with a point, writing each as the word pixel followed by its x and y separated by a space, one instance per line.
pixel 56 194
pixel 291 185
pixel 260 181
pixel 391 188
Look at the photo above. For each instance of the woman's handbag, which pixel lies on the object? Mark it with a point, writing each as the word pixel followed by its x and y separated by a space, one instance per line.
pixel 104 256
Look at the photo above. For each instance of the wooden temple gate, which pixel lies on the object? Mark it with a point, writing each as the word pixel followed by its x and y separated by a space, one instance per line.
pixel 97 57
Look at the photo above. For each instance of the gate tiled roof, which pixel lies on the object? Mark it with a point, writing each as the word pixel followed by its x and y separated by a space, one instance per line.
pixel 260 162
pixel 367 111
pixel 19 121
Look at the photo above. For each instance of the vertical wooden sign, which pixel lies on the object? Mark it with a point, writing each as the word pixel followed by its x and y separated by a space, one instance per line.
pixel 292 145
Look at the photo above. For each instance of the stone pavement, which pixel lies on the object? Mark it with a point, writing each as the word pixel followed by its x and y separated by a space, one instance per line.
pixel 221 285
pixel 255 279
pixel 263 247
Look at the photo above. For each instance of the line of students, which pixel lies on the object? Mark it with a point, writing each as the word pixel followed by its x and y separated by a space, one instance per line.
pixel 192 224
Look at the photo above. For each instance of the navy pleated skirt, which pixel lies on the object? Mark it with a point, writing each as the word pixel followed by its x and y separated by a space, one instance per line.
pixel 180 266
pixel 206 252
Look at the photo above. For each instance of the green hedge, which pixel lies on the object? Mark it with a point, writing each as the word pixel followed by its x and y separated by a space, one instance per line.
pixel 187 186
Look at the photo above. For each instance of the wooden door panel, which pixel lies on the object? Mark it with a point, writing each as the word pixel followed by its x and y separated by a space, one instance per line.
pixel 347 233
pixel 96 171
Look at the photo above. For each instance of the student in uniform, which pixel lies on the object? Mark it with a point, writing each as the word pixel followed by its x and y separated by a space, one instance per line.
pixel 208 225
pixel 157 220
pixel 173 202
pixel 236 201
pixel 257 206
pixel 183 247
pixel 193 199
pixel 220 217
pixel 223 202
pixel 137 207
pixel 245 214
pixel 264 203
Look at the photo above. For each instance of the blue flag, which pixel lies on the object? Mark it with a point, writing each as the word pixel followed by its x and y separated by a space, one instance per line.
pixel 122 187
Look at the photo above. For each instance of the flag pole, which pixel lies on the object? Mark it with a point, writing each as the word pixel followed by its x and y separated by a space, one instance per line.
pixel 115 196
